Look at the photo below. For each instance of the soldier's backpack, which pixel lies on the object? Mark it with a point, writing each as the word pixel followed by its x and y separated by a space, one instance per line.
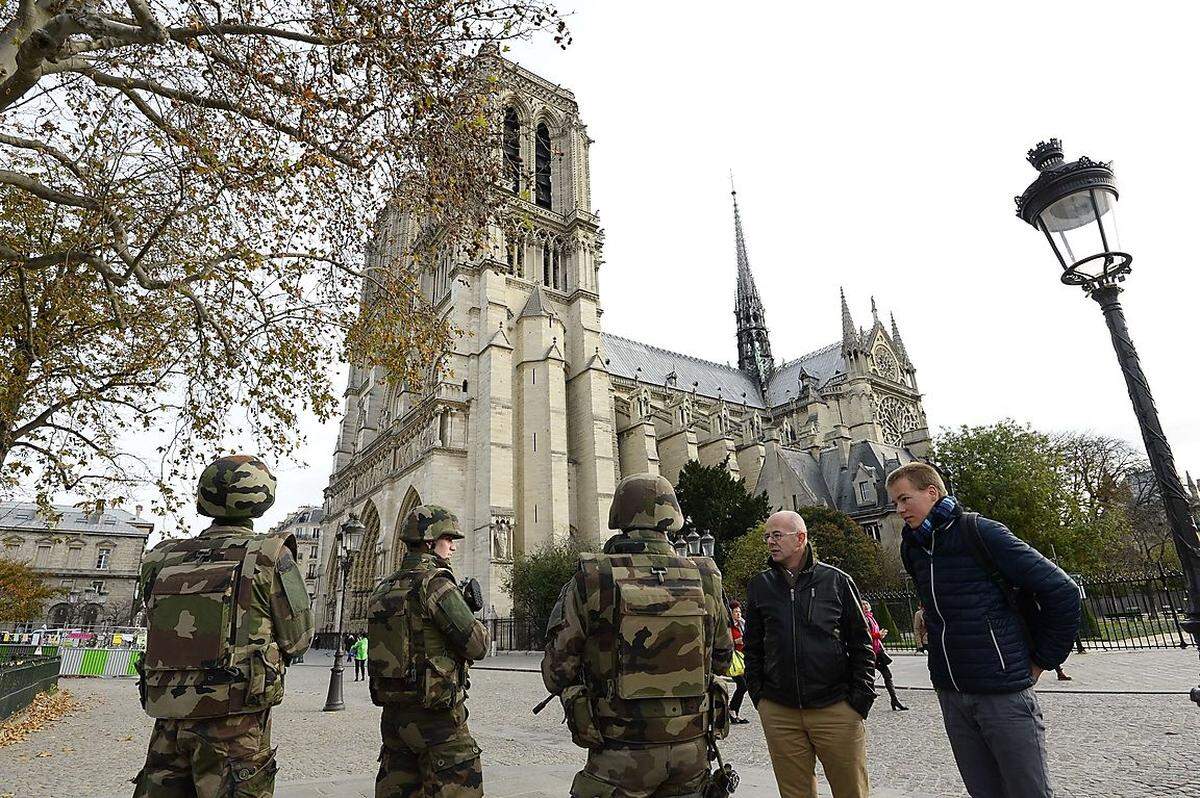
pixel 652 661
pixel 204 658
pixel 408 659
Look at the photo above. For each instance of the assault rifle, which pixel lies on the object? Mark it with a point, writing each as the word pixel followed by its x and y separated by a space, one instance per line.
pixel 472 593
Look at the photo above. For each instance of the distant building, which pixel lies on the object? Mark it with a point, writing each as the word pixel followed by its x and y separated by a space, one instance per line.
pixel 93 557
pixel 305 524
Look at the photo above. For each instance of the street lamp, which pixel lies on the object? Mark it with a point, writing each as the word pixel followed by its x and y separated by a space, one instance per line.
pixel 707 544
pixel 693 543
pixel 680 544
pixel 1074 205
pixel 348 538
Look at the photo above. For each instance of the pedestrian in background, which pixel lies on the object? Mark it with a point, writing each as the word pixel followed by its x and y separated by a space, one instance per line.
pixel 814 683
pixel 920 631
pixel 737 627
pixel 360 658
pixel 986 653
pixel 882 658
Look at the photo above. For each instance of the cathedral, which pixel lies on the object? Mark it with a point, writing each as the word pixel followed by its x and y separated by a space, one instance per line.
pixel 540 411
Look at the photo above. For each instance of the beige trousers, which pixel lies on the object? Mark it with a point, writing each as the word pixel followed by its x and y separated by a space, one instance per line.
pixel 796 738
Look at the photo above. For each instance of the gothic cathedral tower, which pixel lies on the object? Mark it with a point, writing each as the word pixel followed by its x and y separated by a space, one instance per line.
pixel 517 437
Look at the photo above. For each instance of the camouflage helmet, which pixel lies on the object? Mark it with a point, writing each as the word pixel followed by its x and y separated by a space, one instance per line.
pixel 428 523
pixel 235 487
pixel 645 501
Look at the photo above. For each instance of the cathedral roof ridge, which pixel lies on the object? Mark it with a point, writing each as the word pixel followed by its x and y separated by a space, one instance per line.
pixel 660 350
pixel 809 356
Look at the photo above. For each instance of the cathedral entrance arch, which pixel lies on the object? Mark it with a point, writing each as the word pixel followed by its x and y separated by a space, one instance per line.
pixel 363 573
pixel 411 499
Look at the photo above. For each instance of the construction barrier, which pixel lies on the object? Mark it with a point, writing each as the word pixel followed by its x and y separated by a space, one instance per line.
pixel 99 661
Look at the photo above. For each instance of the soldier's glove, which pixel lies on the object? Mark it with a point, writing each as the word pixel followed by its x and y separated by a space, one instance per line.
pixel 722 782
pixel 472 593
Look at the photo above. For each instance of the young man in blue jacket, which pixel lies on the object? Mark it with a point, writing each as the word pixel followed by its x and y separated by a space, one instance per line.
pixel 985 653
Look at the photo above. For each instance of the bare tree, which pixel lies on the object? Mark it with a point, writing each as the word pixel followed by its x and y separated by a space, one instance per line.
pixel 185 192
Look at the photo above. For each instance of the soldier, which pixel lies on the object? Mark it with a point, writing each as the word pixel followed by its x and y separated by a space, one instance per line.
pixel 422 637
pixel 632 647
pixel 227 612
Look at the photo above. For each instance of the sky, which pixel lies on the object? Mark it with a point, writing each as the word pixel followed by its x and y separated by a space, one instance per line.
pixel 877 148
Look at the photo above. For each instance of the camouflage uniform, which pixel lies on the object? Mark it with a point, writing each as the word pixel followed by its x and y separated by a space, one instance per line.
pixel 228 611
pixel 632 647
pixel 422 637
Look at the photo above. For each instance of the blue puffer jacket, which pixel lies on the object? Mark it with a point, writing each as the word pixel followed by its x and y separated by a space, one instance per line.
pixel 977 643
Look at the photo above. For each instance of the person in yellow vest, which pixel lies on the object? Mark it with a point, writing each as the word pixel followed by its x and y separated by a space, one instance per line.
pixel 360 658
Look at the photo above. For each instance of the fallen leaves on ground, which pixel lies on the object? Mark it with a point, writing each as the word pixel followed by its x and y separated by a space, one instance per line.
pixel 46 708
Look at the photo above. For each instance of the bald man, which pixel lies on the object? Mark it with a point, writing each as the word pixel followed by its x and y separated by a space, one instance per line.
pixel 810 667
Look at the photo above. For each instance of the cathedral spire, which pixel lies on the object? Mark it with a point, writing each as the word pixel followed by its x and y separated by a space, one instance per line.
pixel 754 343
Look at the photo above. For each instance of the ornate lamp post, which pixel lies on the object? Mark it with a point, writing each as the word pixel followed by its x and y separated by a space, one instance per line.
pixel 708 544
pixel 693 543
pixel 681 545
pixel 348 539
pixel 1074 205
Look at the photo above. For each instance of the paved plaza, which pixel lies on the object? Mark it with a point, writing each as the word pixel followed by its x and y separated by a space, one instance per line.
pixel 1104 738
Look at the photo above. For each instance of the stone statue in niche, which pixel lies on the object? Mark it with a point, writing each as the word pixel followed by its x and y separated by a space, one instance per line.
pixel 501 541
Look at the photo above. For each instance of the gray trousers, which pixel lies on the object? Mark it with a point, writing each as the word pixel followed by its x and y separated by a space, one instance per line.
pixel 999 743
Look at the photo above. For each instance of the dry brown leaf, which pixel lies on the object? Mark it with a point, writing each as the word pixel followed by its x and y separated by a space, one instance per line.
pixel 46 708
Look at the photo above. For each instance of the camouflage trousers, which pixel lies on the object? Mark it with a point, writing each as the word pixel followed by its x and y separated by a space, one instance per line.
pixel 653 771
pixel 427 754
pixel 228 757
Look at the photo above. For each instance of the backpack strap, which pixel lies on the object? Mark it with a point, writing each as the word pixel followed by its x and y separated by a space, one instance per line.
pixel 906 558
pixel 246 589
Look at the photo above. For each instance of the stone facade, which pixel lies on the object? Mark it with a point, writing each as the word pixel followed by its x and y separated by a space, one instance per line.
pixel 539 412
pixel 305 524
pixel 93 557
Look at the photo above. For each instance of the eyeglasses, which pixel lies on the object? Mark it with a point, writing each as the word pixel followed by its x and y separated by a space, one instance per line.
pixel 777 536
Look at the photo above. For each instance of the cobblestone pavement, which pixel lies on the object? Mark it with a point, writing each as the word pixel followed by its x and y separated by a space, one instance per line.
pixel 1100 745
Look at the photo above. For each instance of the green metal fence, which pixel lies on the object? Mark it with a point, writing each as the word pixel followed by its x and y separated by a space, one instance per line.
pixel 21 680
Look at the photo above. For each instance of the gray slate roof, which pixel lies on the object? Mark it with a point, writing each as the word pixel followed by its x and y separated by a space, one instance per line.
pixel 22 516
pixel 832 482
pixel 625 356
pixel 824 364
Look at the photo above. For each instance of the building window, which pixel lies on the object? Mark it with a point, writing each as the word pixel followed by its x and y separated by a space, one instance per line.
pixel 98 586
pixel 74 554
pixel 542 166
pixel 535 441
pixel 102 559
pixel 864 492
pixel 43 555
pixel 512 149
pixel 873 531
pixel 67 583
pixel 795 504
pixel 313 553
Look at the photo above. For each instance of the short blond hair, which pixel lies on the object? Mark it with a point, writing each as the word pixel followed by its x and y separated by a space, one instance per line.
pixel 920 476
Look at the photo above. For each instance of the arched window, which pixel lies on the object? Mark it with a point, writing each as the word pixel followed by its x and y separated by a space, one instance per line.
pixel 542 166
pixel 512 149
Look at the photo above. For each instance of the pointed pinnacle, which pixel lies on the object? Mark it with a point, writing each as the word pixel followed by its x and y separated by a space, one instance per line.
pixel 848 334
pixel 874 311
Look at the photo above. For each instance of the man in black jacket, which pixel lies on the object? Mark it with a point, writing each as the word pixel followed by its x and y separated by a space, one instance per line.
pixel 987 647
pixel 810 667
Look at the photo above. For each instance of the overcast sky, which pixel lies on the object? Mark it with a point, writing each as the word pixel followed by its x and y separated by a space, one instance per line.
pixel 878 147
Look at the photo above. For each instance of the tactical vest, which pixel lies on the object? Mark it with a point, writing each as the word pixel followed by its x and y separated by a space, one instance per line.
pixel 648 655
pixel 408 658
pixel 209 648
